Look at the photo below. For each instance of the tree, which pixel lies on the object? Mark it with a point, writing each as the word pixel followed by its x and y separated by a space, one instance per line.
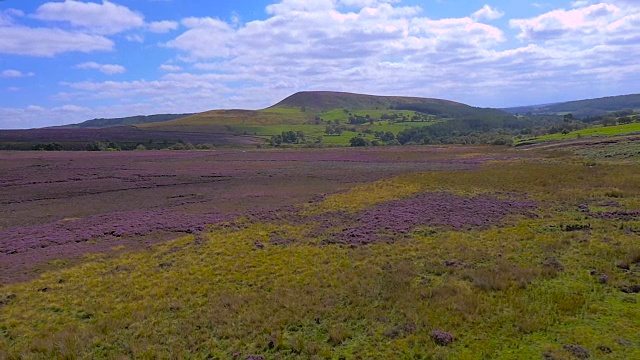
pixel 289 137
pixel 568 118
pixel 388 136
pixel 329 130
pixel 359 141
pixel 625 120
pixel 276 140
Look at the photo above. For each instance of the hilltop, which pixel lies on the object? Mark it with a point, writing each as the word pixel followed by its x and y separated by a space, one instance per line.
pixel 582 108
pixel 328 100
pixel 307 106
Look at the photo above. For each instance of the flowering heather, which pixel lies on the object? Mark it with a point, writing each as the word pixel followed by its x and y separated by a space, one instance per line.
pixel 389 220
pixel 622 215
pixel 441 338
pixel 118 134
pixel 118 224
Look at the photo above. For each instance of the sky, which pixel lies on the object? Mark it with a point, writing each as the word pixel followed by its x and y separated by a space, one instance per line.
pixel 66 61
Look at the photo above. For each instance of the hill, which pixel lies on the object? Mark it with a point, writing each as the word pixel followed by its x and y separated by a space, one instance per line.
pixel 582 108
pixel 319 108
pixel 131 120
pixel 327 100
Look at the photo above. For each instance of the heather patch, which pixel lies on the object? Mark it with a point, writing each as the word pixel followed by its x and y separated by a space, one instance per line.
pixel 121 224
pixel 493 263
pixel 390 220
pixel 609 210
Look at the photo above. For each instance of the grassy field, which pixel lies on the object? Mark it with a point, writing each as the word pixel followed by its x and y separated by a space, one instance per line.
pixel 345 277
pixel 315 131
pixel 596 131
pixel 275 120
pixel 340 114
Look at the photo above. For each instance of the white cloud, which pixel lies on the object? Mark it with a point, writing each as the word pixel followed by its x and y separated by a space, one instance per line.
pixel 590 23
pixel 377 47
pixel 161 27
pixel 10 73
pixel 207 38
pixel 106 18
pixel 21 40
pixel 487 13
pixel 109 69
pixel 169 68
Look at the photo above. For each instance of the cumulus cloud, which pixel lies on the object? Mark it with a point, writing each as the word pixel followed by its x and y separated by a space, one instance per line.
pixel 487 13
pixel 161 27
pixel 10 73
pixel 383 47
pixel 109 69
pixel 106 18
pixel 589 23
pixel 22 40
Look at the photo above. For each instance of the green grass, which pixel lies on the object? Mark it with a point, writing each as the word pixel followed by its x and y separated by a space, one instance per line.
pixel 340 114
pixel 314 131
pixel 399 126
pixel 624 150
pixel 218 294
pixel 595 131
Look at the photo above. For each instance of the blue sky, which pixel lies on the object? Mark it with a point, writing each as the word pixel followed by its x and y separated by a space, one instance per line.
pixel 66 61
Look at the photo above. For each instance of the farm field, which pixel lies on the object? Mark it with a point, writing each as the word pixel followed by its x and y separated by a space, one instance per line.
pixel 446 252
pixel 595 131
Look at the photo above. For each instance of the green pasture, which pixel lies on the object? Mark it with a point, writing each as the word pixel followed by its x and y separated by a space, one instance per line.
pixel 340 114
pixel 595 131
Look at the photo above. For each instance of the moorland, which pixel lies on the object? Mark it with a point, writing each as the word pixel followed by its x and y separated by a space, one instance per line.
pixel 455 245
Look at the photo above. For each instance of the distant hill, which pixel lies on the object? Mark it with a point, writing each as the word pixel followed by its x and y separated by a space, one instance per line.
pixel 303 107
pixel 131 120
pixel 327 100
pixel 582 108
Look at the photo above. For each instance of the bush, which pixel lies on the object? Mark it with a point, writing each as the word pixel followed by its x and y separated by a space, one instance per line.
pixel 359 141
pixel 205 147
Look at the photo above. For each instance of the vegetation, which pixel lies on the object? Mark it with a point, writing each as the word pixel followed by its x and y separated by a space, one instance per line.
pixel 578 130
pixel 555 279
pixel 333 119
pixel 131 120
pixel 583 108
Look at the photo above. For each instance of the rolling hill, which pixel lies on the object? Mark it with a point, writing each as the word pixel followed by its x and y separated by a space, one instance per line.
pixel 313 113
pixel 131 120
pixel 304 107
pixel 582 108
pixel 326 100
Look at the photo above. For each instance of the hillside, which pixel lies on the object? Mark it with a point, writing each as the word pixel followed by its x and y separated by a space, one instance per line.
pixel 304 108
pixel 131 120
pixel 327 100
pixel 582 108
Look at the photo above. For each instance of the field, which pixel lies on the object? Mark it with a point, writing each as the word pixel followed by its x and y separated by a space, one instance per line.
pixel 318 131
pixel 595 131
pixel 382 253
pixel 128 137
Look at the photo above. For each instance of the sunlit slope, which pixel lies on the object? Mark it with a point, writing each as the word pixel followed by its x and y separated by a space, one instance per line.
pixel 327 100
pixel 225 120
pixel 582 108
pixel 305 107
